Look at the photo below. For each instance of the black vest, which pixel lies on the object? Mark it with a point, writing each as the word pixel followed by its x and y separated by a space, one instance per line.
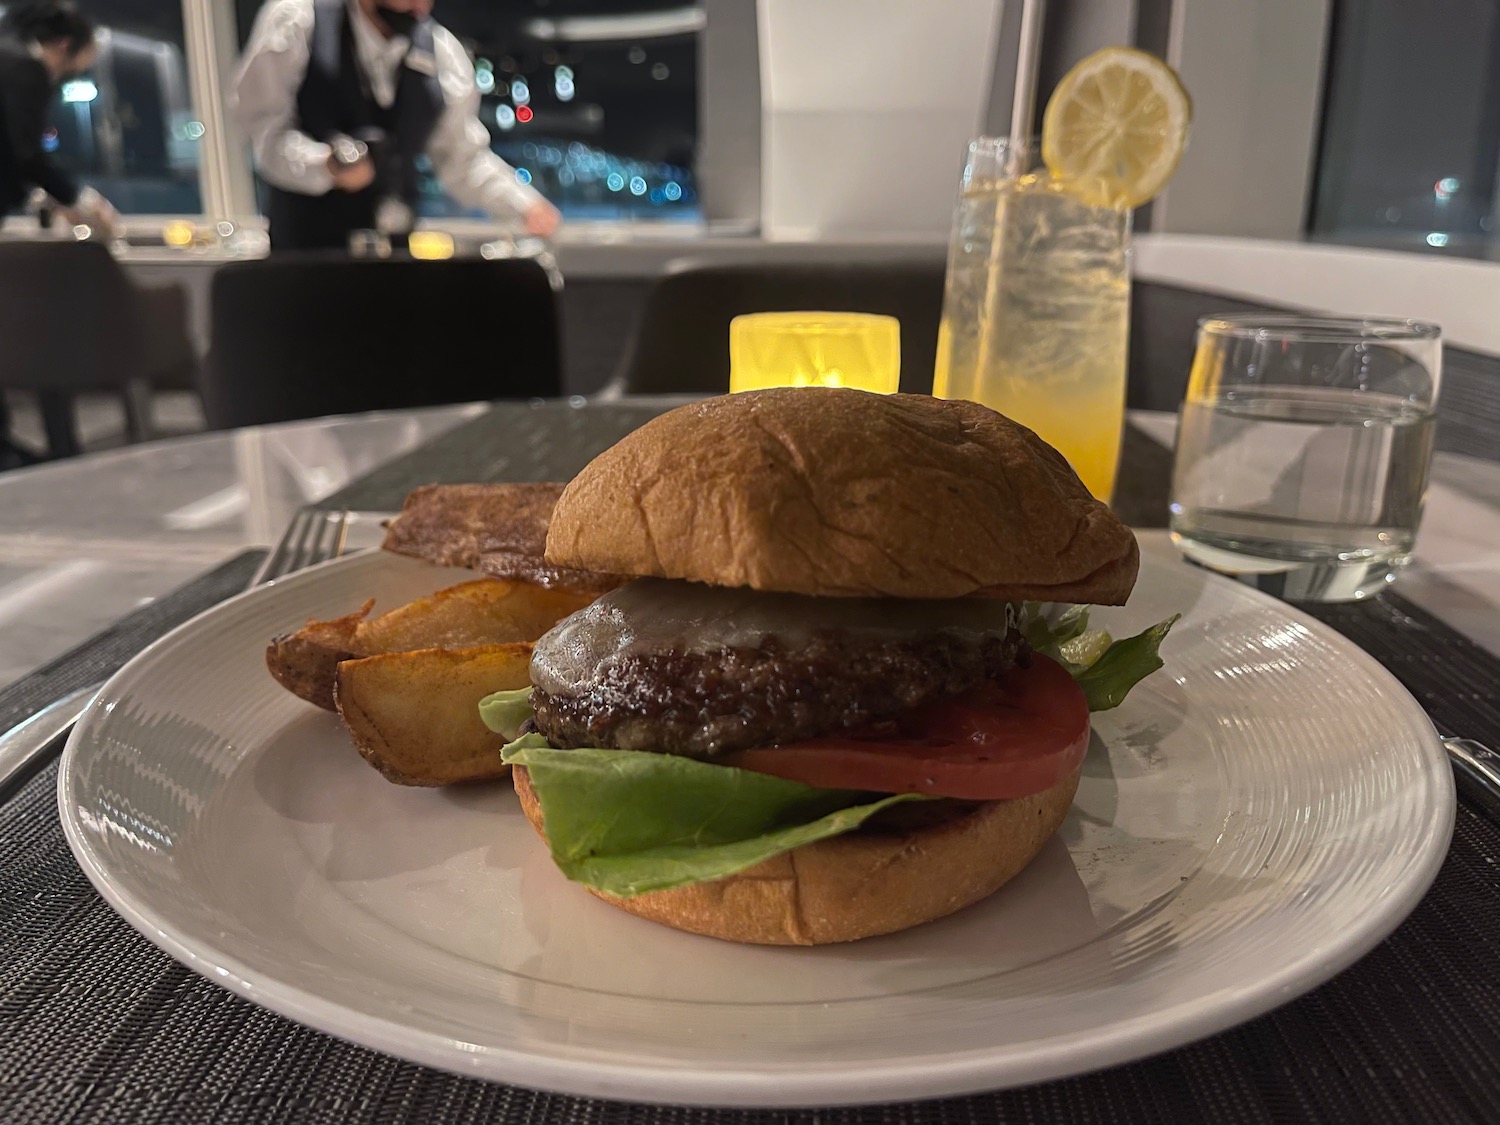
pixel 335 99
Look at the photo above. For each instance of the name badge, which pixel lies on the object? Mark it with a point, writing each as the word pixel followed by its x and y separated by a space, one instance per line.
pixel 423 62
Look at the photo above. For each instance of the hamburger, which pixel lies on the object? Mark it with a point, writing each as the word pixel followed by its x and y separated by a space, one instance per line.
pixel 819 709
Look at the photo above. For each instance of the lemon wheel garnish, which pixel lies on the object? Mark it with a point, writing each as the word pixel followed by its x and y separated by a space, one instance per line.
pixel 1116 126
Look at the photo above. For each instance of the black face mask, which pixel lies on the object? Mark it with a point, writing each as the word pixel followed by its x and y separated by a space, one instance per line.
pixel 400 23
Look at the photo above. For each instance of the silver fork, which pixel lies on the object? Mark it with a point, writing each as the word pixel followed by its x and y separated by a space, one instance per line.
pixel 312 537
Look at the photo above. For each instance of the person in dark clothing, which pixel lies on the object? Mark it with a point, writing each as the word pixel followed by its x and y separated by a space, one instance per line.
pixel 340 99
pixel 42 45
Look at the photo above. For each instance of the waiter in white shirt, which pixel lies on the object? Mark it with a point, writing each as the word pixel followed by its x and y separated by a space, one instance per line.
pixel 340 98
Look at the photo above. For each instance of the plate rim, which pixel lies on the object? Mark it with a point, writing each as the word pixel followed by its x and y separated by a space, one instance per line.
pixel 957 1073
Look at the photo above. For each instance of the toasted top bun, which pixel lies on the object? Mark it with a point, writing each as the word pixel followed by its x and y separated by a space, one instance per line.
pixel 841 493
pixel 860 884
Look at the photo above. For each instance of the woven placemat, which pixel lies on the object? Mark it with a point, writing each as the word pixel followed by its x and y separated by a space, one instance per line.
pixel 1463 698
pixel 512 441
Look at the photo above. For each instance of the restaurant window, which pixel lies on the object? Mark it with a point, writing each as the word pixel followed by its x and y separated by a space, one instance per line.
pixel 593 102
pixel 127 127
pixel 1411 127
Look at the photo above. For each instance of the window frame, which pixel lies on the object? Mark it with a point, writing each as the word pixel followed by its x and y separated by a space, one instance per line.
pixel 729 96
pixel 226 175
pixel 1268 136
pixel 226 178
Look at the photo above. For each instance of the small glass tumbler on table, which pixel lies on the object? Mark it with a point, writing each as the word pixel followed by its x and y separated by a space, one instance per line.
pixel 1303 448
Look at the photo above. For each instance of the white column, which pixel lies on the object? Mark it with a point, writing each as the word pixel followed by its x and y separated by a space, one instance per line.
pixel 1255 72
pixel 866 109
pixel 211 47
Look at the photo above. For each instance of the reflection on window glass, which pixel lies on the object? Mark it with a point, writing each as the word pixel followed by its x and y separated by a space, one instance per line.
pixel 592 102
pixel 1411 127
pixel 128 127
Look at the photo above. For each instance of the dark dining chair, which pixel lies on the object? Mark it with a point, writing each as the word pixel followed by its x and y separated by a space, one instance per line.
pixel 307 335
pixel 681 339
pixel 72 321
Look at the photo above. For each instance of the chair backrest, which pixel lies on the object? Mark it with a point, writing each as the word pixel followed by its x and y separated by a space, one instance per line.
pixel 68 318
pixel 681 341
pixel 305 335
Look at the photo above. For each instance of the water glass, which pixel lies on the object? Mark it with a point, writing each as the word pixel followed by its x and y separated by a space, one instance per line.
pixel 1303 447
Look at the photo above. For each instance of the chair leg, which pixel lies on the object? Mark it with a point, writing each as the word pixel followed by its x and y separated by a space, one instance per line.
pixel 60 423
pixel 139 424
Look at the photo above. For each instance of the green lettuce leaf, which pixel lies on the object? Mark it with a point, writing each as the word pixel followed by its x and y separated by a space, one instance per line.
pixel 1059 631
pixel 1108 680
pixel 1047 632
pixel 504 711
pixel 627 822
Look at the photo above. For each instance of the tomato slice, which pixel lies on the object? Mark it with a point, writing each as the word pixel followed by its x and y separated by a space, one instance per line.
pixel 1011 736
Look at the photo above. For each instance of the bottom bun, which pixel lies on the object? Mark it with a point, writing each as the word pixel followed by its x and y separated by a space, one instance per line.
pixel 873 881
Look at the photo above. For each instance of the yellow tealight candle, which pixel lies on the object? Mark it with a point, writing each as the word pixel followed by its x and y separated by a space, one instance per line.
pixel 815 349
pixel 178 233
pixel 430 245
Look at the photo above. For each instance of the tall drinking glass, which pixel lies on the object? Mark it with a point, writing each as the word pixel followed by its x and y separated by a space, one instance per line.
pixel 1303 448
pixel 1036 307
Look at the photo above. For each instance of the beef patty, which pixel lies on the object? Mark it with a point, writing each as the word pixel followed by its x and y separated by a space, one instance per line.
pixel 702 704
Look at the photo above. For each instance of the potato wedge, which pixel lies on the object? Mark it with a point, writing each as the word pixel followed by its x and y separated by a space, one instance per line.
pixel 415 715
pixel 489 611
pixel 305 662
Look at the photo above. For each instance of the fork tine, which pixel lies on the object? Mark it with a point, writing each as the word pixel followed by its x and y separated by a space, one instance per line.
pixel 308 527
pixel 329 542
pixel 312 537
pixel 278 561
pixel 342 539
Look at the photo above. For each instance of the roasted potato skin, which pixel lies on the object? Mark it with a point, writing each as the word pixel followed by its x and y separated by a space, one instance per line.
pixel 305 662
pixel 487 611
pixel 415 715
pixel 407 683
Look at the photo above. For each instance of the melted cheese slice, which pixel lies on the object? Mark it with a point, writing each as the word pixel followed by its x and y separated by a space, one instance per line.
pixel 653 615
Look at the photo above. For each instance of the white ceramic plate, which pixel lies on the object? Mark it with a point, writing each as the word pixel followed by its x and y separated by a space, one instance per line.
pixel 1252 820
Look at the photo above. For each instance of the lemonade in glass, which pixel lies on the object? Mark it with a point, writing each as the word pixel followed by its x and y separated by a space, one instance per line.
pixel 1036 306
